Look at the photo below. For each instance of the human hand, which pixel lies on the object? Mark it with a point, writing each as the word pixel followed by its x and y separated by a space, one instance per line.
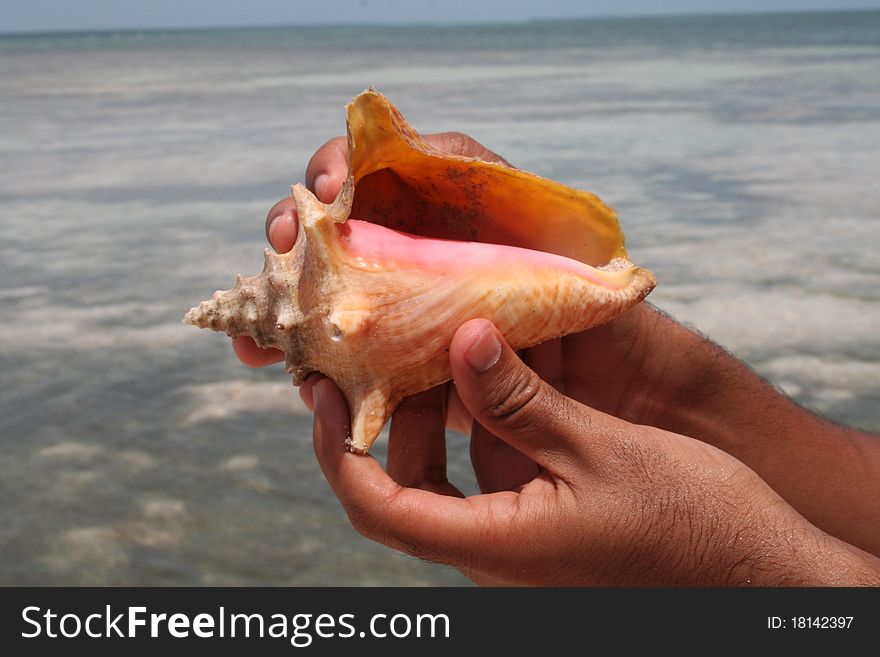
pixel 325 175
pixel 645 368
pixel 613 503
pixel 633 357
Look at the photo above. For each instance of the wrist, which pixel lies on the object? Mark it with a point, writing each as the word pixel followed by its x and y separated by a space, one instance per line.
pixel 810 557
pixel 776 546
pixel 825 471
pixel 690 385
pixel 742 533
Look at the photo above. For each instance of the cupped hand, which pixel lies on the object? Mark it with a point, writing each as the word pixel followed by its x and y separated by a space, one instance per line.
pixel 646 369
pixel 605 367
pixel 617 368
pixel 613 353
pixel 610 502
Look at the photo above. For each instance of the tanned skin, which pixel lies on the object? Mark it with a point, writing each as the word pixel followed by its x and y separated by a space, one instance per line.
pixel 636 453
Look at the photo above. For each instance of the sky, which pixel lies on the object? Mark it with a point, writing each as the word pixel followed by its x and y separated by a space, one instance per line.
pixel 62 15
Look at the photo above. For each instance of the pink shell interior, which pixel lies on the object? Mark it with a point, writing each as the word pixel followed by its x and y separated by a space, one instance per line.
pixel 375 246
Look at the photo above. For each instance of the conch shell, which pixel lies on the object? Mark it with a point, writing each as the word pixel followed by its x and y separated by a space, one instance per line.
pixel 418 242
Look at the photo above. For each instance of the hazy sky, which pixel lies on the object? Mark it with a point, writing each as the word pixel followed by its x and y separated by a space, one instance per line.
pixel 50 15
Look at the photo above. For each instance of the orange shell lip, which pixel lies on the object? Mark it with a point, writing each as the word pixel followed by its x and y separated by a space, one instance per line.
pixel 403 183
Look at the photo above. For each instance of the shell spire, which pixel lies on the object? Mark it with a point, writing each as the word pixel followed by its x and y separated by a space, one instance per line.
pixel 263 307
pixel 231 311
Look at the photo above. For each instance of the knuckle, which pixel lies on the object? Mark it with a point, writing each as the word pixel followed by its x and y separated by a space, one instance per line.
pixel 365 523
pixel 457 143
pixel 515 400
pixel 461 143
pixel 424 552
pixel 373 522
pixel 332 145
pixel 331 151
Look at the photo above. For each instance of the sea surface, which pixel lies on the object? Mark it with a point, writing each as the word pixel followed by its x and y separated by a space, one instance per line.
pixel 742 154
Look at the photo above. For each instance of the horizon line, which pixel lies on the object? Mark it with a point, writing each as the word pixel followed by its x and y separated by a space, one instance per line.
pixel 449 23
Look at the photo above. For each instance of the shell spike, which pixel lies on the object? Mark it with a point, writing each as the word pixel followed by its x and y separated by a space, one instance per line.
pixel 341 207
pixel 369 412
pixel 309 209
pixel 271 261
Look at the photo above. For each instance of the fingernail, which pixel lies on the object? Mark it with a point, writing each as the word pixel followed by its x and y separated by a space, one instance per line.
pixel 273 226
pixel 485 351
pixel 321 186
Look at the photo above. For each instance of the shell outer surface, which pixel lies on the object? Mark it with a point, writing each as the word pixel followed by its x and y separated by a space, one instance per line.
pixel 417 243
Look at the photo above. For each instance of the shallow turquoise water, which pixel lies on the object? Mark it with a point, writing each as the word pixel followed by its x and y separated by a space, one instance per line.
pixel 741 154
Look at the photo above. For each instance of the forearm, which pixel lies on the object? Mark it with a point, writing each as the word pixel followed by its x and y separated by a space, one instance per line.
pixel 795 553
pixel 830 474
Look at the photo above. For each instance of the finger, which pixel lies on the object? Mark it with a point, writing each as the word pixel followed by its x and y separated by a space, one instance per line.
pixel 512 402
pixel 328 169
pixel 617 358
pixel 436 527
pixel 253 356
pixel 325 174
pixel 281 225
pixel 501 466
pixel 497 465
pixel 306 389
pixel 417 442
pixel 459 143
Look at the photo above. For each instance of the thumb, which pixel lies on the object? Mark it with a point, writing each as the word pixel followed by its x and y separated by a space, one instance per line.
pixel 512 402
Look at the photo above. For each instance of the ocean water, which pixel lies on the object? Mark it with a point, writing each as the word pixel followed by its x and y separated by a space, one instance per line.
pixel 742 154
